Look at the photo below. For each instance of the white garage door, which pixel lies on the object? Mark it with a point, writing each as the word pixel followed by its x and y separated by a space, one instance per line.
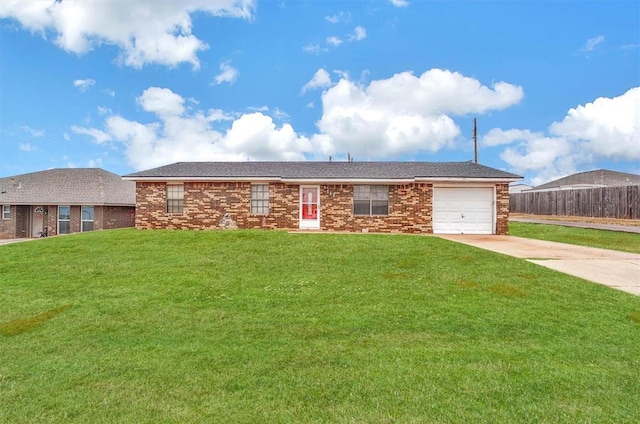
pixel 463 210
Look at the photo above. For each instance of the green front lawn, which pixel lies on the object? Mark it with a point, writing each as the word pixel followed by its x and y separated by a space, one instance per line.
pixel 614 240
pixel 253 326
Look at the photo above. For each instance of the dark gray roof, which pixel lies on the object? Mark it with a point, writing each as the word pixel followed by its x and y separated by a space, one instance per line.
pixel 69 186
pixel 598 177
pixel 323 170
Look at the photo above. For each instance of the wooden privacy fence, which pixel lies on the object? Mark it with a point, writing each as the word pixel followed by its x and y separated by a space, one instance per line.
pixel 602 202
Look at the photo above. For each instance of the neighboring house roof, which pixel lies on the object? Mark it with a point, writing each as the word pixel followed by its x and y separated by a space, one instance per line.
pixel 68 186
pixel 518 188
pixel 589 179
pixel 325 171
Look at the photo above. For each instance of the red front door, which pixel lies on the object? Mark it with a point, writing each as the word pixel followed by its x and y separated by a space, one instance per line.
pixel 310 207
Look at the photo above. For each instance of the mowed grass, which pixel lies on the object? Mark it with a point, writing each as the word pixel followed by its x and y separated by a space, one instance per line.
pixel 254 326
pixel 614 240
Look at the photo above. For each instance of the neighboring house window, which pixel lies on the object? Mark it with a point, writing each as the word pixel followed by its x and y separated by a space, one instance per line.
pixel 6 211
pixel 87 218
pixel 175 198
pixel 260 199
pixel 64 219
pixel 370 200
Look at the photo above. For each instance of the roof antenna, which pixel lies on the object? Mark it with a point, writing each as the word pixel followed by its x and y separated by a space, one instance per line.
pixel 329 158
pixel 348 157
pixel 475 141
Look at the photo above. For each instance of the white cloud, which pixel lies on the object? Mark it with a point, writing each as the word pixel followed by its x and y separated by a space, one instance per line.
pixel 387 118
pixel 547 157
pixel 227 74
pixel 94 163
pixel 405 114
pixel 26 147
pixel 607 127
pixel 102 110
pixel 181 135
pixel 604 128
pixel 592 43
pixel 399 3
pixel 32 132
pixel 145 31
pixel 100 137
pixel 497 136
pixel 161 101
pixel 110 93
pixel 339 17
pixel 84 84
pixel 321 79
pixel 314 48
pixel 334 41
pixel 359 33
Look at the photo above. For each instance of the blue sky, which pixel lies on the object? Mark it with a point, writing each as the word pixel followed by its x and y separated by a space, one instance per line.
pixel 131 85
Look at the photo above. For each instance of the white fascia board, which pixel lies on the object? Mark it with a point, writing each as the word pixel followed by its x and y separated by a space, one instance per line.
pixel 465 180
pixel 328 181
pixel 200 179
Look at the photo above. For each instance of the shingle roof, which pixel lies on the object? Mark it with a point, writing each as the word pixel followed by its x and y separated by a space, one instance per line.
pixel 70 186
pixel 598 177
pixel 323 170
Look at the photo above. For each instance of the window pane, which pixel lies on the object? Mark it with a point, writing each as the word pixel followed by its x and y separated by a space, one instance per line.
pixel 87 213
pixel 380 192
pixel 361 192
pixel 64 212
pixel 175 191
pixel 174 206
pixel 361 207
pixel 63 227
pixel 309 195
pixel 6 211
pixel 87 226
pixel 260 199
pixel 380 207
pixel 175 196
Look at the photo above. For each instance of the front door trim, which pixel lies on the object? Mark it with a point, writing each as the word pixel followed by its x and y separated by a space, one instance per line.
pixel 309 207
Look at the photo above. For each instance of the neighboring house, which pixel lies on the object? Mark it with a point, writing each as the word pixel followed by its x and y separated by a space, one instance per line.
pixel 407 197
pixel 589 179
pixel 62 201
pixel 519 188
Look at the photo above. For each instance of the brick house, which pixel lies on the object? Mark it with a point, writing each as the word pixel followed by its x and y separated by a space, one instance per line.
pixel 62 201
pixel 404 197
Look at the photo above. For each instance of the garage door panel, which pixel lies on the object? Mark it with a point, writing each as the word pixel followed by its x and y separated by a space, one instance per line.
pixel 463 210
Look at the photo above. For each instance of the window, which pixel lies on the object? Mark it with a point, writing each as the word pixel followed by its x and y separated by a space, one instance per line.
pixel 260 199
pixel 6 211
pixel 370 200
pixel 175 198
pixel 87 218
pixel 64 218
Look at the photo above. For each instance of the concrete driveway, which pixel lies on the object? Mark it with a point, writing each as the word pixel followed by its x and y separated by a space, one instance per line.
pixel 619 270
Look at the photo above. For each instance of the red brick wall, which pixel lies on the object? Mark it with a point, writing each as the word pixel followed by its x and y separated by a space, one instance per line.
pixel 115 217
pixel 409 210
pixel 8 226
pixel 205 204
pixel 502 209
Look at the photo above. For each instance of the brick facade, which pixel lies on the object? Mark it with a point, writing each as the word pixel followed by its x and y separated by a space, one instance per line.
pixel 206 203
pixel 8 226
pixel 502 208
pixel 105 218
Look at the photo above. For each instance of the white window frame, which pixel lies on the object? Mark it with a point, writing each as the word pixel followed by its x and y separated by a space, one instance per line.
pixel 6 212
pixel 374 195
pixel 175 199
pixel 64 220
pixel 82 220
pixel 259 199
